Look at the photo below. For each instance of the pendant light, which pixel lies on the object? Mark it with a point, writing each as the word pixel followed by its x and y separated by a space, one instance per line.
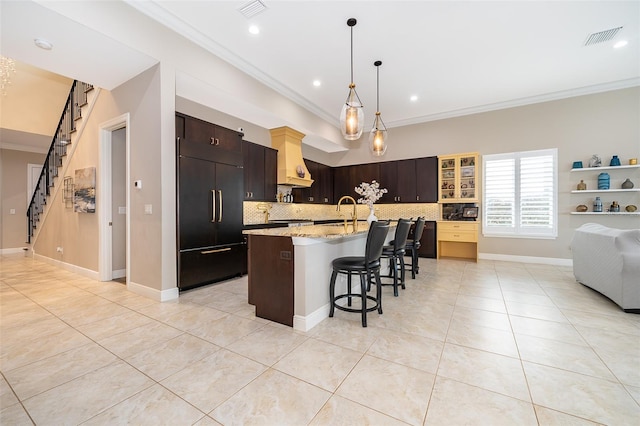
pixel 378 135
pixel 352 116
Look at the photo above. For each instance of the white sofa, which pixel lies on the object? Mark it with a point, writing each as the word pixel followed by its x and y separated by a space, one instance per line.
pixel 608 261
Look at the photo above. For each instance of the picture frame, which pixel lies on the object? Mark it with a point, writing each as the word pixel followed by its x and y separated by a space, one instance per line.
pixel 470 212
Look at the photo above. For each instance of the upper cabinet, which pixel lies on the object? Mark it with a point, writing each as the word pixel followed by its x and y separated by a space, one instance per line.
pixel 260 172
pixel 321 191
pixel 208 141
pixel 458 179
pixel 427 180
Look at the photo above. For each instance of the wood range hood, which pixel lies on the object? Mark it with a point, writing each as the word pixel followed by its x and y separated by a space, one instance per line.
pixel 291 168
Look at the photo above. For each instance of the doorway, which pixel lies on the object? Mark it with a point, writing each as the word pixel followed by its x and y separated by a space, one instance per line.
pixel 113 200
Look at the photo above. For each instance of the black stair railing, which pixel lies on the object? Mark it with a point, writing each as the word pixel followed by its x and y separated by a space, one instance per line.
pixel 57 151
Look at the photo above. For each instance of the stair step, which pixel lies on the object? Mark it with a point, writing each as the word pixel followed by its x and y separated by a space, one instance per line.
pixel 83 104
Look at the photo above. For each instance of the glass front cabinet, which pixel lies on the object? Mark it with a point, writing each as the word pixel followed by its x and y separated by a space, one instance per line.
pixel 458 178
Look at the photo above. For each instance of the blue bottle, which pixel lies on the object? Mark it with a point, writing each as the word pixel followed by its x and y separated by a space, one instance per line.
pixel 603 181
pixel 597 205
pixel 615 161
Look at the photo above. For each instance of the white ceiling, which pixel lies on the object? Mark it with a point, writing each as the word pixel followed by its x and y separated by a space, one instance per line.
pixel 458 57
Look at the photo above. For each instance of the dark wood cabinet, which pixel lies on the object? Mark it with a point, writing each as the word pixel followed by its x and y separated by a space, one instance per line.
pixel 399 178
pixel 321 191
pixel 260 172
pixel 208 141
pixel 427 179
pixel 428 242
pixel 343 182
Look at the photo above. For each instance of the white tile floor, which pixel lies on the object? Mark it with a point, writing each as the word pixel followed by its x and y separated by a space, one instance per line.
pixel 492 343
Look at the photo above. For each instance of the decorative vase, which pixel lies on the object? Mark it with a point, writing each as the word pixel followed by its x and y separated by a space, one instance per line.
pixel 372 217
pixel 627 184
pixel 615 161
pixel 603 181
pixel 597 205
pixel 582 186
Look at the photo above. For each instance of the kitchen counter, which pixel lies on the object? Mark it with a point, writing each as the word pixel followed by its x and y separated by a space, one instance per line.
pixel 328 231
pixel 290 268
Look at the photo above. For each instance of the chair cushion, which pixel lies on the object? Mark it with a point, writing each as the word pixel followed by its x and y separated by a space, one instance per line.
pixel 353 263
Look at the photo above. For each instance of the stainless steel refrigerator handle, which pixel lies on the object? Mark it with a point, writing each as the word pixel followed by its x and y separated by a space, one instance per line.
pixel 220 216
pixel 215 251
pixel 213 205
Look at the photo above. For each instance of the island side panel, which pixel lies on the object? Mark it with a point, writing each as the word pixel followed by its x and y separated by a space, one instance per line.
pixel 312 271
pixel 271 260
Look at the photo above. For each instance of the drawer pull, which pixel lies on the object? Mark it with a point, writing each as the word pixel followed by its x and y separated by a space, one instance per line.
pixel 215 251
pixel 456 235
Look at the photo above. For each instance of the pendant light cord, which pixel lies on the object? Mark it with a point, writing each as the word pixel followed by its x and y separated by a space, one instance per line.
pixel 351 55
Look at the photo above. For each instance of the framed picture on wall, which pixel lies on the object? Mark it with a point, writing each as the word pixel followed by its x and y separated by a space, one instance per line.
pixel 84 191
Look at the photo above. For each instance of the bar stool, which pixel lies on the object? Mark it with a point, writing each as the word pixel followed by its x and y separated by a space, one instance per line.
pixel 395 253
pixel 413 246
pixel 365 266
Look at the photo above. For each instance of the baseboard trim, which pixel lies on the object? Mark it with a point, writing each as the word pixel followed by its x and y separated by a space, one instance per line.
pixel 15 250
pixel 306 323
pixel 88 273
pixel 152 293
pixel 526 259
pixel 118 273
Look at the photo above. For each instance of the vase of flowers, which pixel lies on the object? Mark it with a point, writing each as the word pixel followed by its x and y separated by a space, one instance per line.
pixel 370 192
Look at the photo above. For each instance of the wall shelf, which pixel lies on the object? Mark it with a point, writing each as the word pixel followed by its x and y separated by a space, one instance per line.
pixel 593 169
pixel 575 191
pixel 609 213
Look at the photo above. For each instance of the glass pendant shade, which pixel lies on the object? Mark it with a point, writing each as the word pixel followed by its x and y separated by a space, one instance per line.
pixel 352 116
pixel 378 137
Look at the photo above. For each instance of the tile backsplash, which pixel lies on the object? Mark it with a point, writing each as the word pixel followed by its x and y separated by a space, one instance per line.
pixel 278 211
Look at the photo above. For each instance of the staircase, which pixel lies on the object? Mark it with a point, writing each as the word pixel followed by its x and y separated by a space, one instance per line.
pixel 71 114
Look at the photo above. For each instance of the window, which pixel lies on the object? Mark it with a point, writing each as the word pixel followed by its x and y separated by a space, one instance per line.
pixel 520 195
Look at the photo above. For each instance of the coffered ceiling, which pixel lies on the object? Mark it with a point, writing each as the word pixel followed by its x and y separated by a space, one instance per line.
pixel 455 57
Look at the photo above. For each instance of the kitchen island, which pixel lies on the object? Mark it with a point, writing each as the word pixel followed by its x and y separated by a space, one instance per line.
pixel 290 268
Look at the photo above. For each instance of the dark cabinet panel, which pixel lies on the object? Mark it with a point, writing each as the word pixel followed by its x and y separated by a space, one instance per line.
pixel 406 181
pixel 209 141
pixel 325 176
pixel 428 242
pixel 195 265
pixel 271 274
pixel 343 182
pixel 260 172
pixel 427 179
pixel 270 174
pixel 321 191
pixel 197 197
pixel 229 184
pixel 389 180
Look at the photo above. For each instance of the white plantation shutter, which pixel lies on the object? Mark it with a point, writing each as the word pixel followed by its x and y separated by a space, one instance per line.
pixel 520 194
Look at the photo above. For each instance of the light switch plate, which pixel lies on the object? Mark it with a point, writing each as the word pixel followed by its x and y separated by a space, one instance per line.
pixel 148 209
pixel 122 210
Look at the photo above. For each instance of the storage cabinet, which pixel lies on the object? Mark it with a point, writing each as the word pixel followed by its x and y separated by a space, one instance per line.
pixel 457 239
pixel 399 177
pixel 321 191
pixel 615 192
pixel 260 172
pixel 428 240
pixel 208 141
pixel 458 178
pixel 427 180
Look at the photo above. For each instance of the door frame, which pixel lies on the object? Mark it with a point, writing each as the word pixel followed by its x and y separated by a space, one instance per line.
pixel 104 197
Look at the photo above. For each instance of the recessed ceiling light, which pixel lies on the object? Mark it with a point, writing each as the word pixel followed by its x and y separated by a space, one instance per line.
pixel 253 29
pixel 317 83
pixel 621 43
pixel 43 44
pixel 413 98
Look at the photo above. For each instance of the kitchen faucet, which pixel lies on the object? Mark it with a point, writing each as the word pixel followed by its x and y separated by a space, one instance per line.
pixel 354 215
pixel 264 207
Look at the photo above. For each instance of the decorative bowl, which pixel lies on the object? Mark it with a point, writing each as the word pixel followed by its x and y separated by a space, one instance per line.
pixel 631 208
pixel 582 208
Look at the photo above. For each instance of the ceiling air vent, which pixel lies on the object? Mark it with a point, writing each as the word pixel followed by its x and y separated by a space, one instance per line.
pixel 252 8
pixel 601 36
